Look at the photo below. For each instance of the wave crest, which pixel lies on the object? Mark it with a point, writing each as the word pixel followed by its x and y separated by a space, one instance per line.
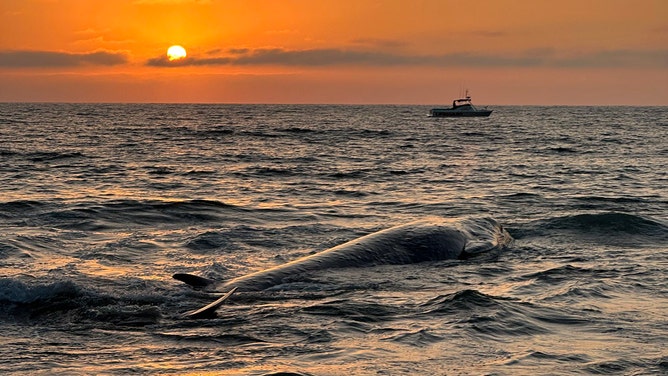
pixel 612 228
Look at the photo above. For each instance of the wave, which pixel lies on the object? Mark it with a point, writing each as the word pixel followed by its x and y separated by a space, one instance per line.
pixel 49 156
pixel 11 209
pixel 561 273
pixel 642 365
pixel 351 174
pixel 65 301
pixel 33 301
pixel 7 152
pixel 13 291
pixel 481 312
pixel 618 204
pixel 419 338
pixel 541 356
pixel 208 241
pixel 606 228
pixel 615 200
pixel 572 283
pixel 562 149
pixel 297 130
pixel 485 315
pixel 460 300
pixel 96 216
pixel 227 339
pixel 134 212
pixel 9 250
pixel 275 171
pixel 365 312
pixel 216 133
pixel 609 223
pixel 496 316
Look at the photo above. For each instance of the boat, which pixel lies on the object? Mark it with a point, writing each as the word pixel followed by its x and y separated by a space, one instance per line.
pixel 460 108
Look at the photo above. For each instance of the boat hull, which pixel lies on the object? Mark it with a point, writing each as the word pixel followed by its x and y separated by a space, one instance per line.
pixel 450 113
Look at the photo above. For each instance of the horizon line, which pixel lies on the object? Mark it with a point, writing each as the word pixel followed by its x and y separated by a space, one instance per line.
pixel 323 104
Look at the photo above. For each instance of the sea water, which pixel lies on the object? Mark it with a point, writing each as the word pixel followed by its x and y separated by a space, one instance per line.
pixel 101 203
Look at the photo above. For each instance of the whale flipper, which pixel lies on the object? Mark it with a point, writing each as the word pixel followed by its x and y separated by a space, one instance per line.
pixel 208 310
pixel 193 280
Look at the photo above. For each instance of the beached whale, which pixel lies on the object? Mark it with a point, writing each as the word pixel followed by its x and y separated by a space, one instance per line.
pixel 428 240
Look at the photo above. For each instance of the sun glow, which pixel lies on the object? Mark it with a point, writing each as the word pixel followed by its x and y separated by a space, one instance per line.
pixel 176 53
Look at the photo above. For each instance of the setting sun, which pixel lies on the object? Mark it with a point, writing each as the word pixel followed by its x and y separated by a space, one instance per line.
pixel 176 53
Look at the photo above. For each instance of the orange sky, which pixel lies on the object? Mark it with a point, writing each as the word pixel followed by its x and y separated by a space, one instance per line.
pixel 340 51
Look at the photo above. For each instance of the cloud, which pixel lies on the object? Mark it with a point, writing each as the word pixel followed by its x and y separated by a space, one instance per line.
pixel 278 56
pixel 617 58
pixel 321 57
pixel 239 51
pixel 53 59
pixel 339 57
pixel 163 61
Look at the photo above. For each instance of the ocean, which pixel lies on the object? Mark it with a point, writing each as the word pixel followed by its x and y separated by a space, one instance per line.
pixel 100 204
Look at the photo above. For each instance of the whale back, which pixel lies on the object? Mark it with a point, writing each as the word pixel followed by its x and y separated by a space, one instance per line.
pixel 429 240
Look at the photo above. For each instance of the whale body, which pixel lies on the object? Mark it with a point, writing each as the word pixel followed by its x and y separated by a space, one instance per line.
pixel 427 240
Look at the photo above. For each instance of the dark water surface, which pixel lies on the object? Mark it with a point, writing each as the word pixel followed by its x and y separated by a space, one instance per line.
pixel 101 204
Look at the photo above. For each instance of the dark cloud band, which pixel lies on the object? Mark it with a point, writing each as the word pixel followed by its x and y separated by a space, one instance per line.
pixel 52 59
pixel 337 57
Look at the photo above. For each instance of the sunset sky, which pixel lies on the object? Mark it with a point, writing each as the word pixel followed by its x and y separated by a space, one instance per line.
pixel 584 52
